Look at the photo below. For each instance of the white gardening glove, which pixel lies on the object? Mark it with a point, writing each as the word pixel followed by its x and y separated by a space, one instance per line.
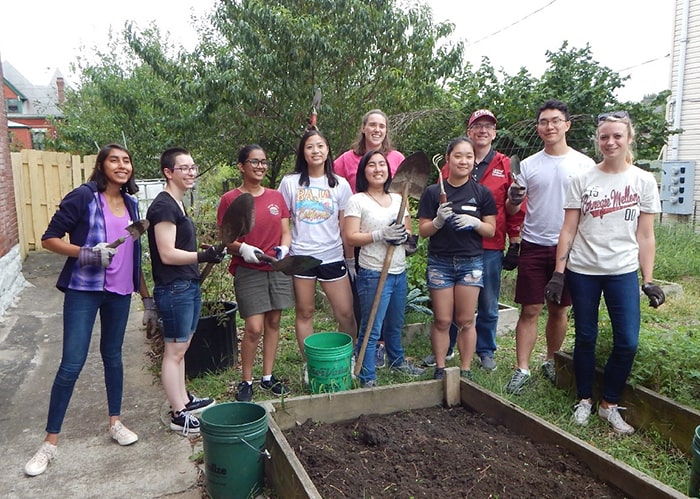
pixel 99 255
pixel 350 266
pixel 393 234
pixel 281 251
pixel 465 222
pixel 443 213
pixel 248 253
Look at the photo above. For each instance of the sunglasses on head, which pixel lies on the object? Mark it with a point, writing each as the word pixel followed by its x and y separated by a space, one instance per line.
pixel 620 115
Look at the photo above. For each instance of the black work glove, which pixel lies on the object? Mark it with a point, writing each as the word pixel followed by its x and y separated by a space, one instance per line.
pixel 655 293
pixel 210 255
pixel 554 288
pixel 516 194
pixel 411 244
pixel 510 261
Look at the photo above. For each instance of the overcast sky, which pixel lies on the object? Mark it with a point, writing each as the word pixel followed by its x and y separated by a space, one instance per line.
pixel 624 35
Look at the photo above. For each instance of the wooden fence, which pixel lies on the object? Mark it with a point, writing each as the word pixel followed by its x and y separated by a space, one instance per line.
pixel 42 179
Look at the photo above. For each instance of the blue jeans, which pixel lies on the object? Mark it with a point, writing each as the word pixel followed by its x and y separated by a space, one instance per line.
pixel 79 314
pixel 621 294
pixel 390 318
pixel 179 305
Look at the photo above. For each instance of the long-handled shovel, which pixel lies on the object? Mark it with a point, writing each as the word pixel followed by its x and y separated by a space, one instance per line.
pixel 290 265
pixel 135 231
pixel 238 220
pixel 410 180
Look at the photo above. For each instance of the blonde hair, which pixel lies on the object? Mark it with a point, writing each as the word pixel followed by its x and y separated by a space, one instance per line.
pixel 359 146
pixel 629 157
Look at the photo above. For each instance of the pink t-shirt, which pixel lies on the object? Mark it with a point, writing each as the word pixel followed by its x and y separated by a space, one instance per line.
pixel 119 276
pixel 346 165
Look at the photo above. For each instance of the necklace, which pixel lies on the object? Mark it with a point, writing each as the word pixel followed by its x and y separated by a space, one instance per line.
pixel 381 202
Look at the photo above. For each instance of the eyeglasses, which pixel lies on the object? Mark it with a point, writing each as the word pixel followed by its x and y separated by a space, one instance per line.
pixel 256 162
pixel 555 122
pixel 187 169
pixel 620 115
pixel 482 126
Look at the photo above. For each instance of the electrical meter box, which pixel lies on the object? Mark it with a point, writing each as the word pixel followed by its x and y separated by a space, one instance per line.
pixel 677 187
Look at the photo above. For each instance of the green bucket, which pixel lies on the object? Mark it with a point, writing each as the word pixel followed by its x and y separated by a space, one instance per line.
pixel 328 361
pixel 694 486
pixel 233 436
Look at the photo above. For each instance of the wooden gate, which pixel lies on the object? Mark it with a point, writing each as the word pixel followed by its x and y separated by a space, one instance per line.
pixel 42 179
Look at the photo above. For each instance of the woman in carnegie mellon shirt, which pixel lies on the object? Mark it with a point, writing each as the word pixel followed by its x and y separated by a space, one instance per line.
pixel 606 238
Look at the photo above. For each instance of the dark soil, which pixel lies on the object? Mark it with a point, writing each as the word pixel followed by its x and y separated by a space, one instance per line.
pixel 437 452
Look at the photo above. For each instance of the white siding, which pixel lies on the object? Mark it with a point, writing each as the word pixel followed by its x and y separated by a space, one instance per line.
pixel 689 142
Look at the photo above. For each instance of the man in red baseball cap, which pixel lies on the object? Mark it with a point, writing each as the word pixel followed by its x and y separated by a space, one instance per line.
pixel 492 169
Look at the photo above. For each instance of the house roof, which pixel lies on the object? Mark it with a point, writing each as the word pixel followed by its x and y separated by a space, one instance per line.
pixel 38 100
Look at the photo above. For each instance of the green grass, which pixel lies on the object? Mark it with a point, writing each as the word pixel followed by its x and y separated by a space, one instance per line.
pixel 668 361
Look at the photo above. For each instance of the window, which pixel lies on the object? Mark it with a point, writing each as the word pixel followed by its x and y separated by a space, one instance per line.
pixel 13 106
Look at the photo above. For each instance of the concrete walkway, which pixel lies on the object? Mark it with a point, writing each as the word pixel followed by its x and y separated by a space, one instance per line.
pixel 89 463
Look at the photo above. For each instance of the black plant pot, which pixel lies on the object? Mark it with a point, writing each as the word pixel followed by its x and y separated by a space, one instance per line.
pixel 214 346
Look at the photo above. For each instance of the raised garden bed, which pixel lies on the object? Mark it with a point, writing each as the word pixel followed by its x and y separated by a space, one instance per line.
pixel 286 475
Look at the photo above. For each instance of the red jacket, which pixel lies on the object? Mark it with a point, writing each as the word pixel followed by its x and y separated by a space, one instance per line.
pixel 497 178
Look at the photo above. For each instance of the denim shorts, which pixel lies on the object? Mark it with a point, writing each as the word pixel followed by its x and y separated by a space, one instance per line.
pixel 450 271
pixel 179 305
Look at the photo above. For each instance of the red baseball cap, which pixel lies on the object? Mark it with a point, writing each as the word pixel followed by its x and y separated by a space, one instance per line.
pixel 481 113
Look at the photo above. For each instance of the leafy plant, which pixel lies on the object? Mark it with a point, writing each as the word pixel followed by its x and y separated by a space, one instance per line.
pixel 415 300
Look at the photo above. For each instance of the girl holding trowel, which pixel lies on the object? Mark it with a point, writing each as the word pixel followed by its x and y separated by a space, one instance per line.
pixel 261 293
pixel 372 224
pixel 316 199
pixel 456 225
pixel 174 256
pixel 96 277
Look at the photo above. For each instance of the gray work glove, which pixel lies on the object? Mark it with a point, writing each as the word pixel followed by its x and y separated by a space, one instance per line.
pixel 99 255
pixel 350 266
pixel 555 288
pixel 393 234
pixel 248 253
pixel 516 194
pixel 443 213
pixel 150 317
pixel 210 255
pixel 656 295
pixel 465 222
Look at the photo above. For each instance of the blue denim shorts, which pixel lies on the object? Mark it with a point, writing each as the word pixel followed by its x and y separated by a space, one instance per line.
pixel 179 304
pixel 451 271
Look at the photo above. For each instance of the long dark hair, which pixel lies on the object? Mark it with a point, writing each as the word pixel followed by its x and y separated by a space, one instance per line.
pixel 361 183
pixel 302 166
pixel 98 173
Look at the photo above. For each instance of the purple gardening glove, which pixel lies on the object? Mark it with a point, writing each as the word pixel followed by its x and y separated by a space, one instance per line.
pixel 99 255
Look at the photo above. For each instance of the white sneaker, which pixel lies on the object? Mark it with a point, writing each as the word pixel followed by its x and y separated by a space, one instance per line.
pixel 122 434
pixel 612 416
pixel 582 411
pixel 38 464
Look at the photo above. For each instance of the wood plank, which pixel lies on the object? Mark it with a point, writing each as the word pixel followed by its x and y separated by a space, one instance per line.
pixel 18 179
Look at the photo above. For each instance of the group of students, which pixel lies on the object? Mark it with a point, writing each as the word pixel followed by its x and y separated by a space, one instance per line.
pixel 576 230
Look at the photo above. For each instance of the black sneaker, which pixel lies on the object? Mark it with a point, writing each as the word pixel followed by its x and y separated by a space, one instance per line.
pixel 197 405
pixel 439 373
pixel 245 392
pixel 184 422
pixel 275 386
